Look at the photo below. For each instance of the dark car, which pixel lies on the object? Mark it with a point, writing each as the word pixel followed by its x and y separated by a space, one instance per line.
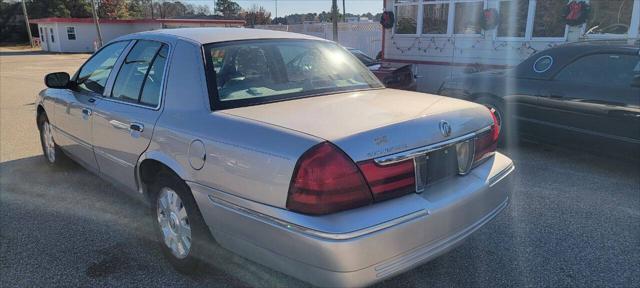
pixel 392 75
pixel 585 93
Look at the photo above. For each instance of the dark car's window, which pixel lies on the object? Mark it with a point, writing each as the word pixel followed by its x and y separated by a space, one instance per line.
pixel 253 72
pixel 95 72
pixel 601 69
pixel 366 60
pixel 144 64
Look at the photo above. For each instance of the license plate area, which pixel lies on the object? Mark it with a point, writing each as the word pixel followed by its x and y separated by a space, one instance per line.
pixel 435 166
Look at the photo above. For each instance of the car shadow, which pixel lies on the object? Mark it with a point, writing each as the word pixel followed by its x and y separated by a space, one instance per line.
pixel 77 225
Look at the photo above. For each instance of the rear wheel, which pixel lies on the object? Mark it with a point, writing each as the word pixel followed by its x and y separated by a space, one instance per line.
pixel 181 232
pixel 50 150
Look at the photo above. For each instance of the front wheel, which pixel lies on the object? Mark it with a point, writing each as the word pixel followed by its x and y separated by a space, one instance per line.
pixel 52 153
pixel 181 232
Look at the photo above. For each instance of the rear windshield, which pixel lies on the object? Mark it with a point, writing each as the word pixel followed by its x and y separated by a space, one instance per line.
pixel 244 73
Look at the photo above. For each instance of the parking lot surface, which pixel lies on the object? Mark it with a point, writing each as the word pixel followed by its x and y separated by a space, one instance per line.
pixel 574 218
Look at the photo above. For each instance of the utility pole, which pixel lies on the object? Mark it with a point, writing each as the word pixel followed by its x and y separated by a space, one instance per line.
pixel 26 22
pixel 334 18
pixel 95 20
pixel 276 9
pixel 344 12
pixel 152 9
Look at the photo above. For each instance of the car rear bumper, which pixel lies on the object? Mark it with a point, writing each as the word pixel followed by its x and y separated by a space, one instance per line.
pixel 365 245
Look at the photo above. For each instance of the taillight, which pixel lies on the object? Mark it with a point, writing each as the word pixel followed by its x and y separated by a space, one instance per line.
pixel 325 181
pixel 487 142
pixel 391 180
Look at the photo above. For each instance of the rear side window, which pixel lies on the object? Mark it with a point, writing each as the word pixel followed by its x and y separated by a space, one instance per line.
pixel 140 77
pixel 94 73
pixel 614 70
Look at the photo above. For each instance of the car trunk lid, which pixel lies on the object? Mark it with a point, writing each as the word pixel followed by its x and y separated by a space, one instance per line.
pixel 373 123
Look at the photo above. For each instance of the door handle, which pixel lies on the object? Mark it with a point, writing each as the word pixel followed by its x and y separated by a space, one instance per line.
pixel 136 127
pixel 117 124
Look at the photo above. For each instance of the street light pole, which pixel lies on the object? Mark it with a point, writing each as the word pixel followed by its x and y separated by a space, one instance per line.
pixel 334 18
pixel 26 22
pixel 95 20
pixel 344 12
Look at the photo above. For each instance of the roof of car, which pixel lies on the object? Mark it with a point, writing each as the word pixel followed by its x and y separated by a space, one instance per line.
pixel 564 54
pixel 207 35
pixel 604 43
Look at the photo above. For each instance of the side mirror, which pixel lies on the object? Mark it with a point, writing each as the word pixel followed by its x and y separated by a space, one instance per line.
pixel 57 80
pixel 635 82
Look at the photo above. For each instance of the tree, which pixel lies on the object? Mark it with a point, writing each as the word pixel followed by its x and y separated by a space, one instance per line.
pixel 78 8
pixel 279 20
pixel 256 15
pixel 113 9
pixel 228 8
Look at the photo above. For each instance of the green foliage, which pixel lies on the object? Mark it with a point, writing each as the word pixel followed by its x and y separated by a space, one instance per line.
pixel 228 8
pixel 256 15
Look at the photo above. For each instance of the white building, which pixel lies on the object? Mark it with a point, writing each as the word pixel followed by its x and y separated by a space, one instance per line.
pixel 445 38
pixel 79 34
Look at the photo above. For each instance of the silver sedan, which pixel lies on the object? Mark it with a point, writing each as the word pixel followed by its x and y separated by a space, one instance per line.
pixel 280 147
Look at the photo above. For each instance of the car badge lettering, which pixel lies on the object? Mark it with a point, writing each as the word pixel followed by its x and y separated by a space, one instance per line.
pixel 445 128
pixel 380 140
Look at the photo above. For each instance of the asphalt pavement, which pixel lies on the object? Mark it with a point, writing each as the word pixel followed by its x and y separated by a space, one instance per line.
pixel 574 218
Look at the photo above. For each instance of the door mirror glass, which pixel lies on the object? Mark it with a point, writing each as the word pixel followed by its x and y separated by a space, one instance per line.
pixel 57 80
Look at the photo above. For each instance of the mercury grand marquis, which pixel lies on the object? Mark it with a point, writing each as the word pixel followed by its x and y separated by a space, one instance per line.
pixel 280 147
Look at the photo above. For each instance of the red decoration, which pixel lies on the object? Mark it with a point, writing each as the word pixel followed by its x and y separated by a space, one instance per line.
pixel 576 13
pixel 387 20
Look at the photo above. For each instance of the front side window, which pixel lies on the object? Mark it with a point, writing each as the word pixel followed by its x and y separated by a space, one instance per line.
pixel 609 17
pixel 513 18
pixel 548 21
pixel 436 17
pixel 137 70
pixel 94 73
pixel 406 17
pixel 71 33
pixel 613 70
pixel 254 72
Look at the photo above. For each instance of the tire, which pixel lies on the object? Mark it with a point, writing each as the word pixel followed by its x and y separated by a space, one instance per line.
pixel 497 107
pixel 184 248
pixel 50 150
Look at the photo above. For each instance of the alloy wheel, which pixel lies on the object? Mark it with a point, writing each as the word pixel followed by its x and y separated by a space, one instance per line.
pixel 174 223
pixel 49 144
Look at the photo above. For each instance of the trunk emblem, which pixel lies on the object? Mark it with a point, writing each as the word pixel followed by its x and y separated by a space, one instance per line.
pixel 381 140
pixel 445 128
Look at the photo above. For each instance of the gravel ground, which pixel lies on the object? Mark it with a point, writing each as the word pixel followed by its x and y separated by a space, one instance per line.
pixel 574 219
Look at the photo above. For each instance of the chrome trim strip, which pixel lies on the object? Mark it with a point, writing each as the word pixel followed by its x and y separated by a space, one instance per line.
pixel 315 233
pixel 409 154
pixel 112 158
pixel 501 175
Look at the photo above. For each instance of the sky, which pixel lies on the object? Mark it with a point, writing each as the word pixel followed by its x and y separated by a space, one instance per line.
pixel 286 7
